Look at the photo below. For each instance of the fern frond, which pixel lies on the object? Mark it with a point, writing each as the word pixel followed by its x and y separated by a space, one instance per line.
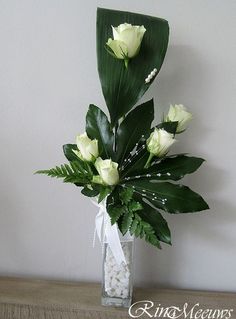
pixel 143 229
pixel 70 173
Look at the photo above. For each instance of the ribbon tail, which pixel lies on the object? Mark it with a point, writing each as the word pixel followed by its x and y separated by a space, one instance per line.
pixel 99 224
pixel 107 232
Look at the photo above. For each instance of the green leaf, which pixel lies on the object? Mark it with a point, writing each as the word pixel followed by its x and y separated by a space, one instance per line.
pixel 115 213
pixel 122 87
pixel 155 219
pixel 89 192
pixel 136 163
pixel 134 206
pixel 70 173
pixel 170 127
pixel 135 224
pixel 141 228
pixel 126 222
pixel 104 191
pixel 114 207
pixel 68 151
pixel 172 168
pixel 98 126
pixel 126 195
pixel 130 131
pixel 113 200
pixel 169 197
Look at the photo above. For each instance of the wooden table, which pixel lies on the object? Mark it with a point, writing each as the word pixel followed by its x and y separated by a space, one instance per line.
pixel 41 299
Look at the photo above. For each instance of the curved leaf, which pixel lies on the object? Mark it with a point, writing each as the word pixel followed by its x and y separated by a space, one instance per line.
pixel 169 197
pixel 135 164
pixel 172 168
pixel 68 152
pixel 155 219
pixel 89 192
pixel 98 126
pixel 122 87
pixel 131 130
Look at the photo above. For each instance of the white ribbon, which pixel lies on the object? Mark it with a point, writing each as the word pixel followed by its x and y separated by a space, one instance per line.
pixel 107 232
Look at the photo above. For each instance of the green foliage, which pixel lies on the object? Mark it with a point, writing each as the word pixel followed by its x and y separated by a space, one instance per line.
pixel 130 131
pixel 135 202
pixel 169 197
pixel 142 229
pixel 139 157
pixel 124 210
pixel 126 221
pixel 115 213
pixel 126 195
pixel 134 206
pixel 72 173
pixel 103 192
pixel 68 152
pixel 151 216
pixel 123 87
pixel 89 191
pixel 170 168
pixel 121 206
pixel 170 127
pixel 98 127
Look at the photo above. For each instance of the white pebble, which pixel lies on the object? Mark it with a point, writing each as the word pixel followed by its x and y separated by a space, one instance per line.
pixel 117 276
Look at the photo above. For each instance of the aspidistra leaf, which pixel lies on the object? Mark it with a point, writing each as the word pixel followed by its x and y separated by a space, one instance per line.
pixel 122 87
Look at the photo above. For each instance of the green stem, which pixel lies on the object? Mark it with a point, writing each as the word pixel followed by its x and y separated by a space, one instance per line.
pixel 115 136
pixel 149 160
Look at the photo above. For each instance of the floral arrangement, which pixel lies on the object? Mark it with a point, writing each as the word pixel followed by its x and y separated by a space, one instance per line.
pixel 123 161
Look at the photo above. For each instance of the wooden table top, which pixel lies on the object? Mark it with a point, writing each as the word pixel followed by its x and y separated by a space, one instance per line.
pixel 42 299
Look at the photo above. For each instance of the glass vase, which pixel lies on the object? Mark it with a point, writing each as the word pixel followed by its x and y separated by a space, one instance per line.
pixel 117 280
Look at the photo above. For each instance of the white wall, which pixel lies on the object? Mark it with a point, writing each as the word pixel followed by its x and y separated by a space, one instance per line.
pixel 48 78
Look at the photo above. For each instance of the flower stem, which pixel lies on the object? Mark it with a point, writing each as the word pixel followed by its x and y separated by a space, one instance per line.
pixel 115 136
pixel 149 160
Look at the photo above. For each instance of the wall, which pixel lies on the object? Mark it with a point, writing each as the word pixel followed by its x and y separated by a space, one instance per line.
pixel 48 78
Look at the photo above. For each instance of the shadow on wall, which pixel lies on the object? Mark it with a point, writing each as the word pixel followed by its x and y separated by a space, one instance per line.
pixel 194 237
pixel 184 79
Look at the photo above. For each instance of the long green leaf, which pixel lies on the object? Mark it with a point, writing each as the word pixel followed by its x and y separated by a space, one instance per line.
pixel 131 130
pixel 98 126
pixel 173 168
pixel 155 219
pixel 123 87
pixel 169 197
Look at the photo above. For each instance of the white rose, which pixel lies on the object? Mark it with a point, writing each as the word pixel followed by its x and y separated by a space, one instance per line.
pixel 126 41
pixel 180 114
pixel 159 142
pixel 87 148
pixel 107 170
